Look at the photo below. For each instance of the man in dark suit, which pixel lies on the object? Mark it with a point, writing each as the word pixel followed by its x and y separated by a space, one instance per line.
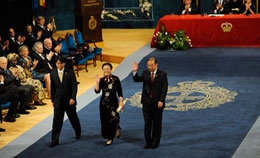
pixel 30 37
pixel 63 96
pixel 11 38
pixel 188 8
pixel 8 95
pixel 155 87
pixel 220 7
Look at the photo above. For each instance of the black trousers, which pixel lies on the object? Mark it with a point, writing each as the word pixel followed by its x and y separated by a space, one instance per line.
pixel 12 96
pixel 152 123
pixel 26 93
pixel 59 111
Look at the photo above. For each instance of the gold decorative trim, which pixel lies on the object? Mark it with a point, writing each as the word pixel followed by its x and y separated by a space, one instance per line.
pixel 192 95
pixel 92 23
pixel 226 27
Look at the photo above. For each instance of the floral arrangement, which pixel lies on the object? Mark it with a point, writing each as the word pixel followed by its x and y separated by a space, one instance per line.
pixel 165 41
pixel 143 12
pixel 145 7
pixel 117 14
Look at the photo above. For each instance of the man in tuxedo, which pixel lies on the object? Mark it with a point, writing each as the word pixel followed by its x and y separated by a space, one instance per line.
pixel 188 8
pixel 155 87
pixel 220 7
pixel 63 96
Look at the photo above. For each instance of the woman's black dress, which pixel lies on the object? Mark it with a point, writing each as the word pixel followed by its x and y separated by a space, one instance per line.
pixel 111 90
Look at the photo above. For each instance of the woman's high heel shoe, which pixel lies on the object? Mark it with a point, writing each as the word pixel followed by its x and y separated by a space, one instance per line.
pixel 109 142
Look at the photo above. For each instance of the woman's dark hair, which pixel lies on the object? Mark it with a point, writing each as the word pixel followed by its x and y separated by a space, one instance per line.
pixel 108 64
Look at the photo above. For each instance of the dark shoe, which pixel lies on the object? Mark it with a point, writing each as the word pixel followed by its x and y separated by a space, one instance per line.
pixel 2 130
pixel 23 112
pixel 154 146
pixel 39 103
pixel 53 144
pixel 9 119
pixel 109 142
pixel 147 146
pixel 16 115
pixel 30 107
pixel 43 103
pixel 77 137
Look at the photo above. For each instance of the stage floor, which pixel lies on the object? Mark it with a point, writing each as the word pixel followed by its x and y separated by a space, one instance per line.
pixel 117 44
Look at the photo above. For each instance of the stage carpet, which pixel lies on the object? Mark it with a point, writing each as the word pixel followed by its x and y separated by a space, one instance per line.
pixel 212 102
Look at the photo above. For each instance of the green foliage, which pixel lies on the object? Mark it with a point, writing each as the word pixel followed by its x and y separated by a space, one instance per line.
pixel 165 41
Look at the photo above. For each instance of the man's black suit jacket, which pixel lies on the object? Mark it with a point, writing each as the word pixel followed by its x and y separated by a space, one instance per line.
pixel 67 89
pixel 224 5
pixel 159 86
pixel 42 65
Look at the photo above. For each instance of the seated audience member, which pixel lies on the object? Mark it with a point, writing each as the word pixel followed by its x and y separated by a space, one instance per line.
pixel 24 91
pixel 235 6
pixel 25 77
pixel 12 43
pixel 8 95
pixel 20 41
pixel 43 66
pixel 220 7
pixel 2 91
pixel 248 7
pixel 3 47
pixel 54 51
pixel 48 46
pixel 30 38
pixel 44 31
pixel 188 7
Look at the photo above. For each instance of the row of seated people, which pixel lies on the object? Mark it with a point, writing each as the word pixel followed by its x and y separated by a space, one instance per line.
pixel 42 32
pixel 16 87
pixel 22 76
pixel 27 60
pixel 244 7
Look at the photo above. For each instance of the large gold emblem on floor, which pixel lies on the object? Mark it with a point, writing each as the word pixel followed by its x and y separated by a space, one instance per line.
pixel 192 95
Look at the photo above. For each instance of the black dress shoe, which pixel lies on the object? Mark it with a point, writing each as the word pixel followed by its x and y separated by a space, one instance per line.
pixel 77 137
pixel 53 144
pixel 154 146
pixel 147 146
pixel 2 130
pixel 9 119
pixel 16 115
pixel 30 107
pixel 23 112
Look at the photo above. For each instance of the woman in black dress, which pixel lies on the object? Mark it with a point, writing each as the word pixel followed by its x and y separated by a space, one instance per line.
pixel 110 101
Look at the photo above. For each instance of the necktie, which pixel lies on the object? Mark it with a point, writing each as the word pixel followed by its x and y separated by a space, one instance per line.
pixel 8 73
pixel 150 88
pixel 60 76
pixel 152 77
